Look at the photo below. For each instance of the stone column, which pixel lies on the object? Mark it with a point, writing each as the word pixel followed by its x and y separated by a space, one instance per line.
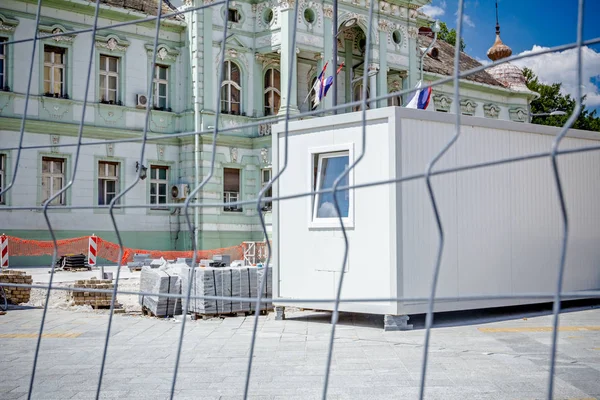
pixel 383 68
pixel 286 8
pixel 327 48
pixel 210 95
pixel 348 61
pixel 373 85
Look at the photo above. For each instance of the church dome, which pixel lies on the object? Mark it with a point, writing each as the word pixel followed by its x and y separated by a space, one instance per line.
pixel 510 76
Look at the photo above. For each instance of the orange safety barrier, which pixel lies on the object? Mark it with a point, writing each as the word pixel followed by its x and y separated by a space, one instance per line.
pixel 108 250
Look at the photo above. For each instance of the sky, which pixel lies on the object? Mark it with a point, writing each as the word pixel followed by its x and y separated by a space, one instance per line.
pixel 527 26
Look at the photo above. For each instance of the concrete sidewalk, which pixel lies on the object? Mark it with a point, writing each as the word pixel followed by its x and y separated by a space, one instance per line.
pixel 468 359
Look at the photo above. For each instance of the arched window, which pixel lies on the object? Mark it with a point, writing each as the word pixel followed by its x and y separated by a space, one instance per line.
pixel 272 93
pixel 231 89
pixel 357 95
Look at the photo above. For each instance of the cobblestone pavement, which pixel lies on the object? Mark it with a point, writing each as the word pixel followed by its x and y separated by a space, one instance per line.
pixel 473 356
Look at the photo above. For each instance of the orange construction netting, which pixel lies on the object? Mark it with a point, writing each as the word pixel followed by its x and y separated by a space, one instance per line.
pixel 108 250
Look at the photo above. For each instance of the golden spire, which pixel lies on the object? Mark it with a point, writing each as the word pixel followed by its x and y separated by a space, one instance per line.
pixel 499 50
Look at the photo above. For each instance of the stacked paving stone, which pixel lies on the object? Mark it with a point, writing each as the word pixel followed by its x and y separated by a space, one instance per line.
pixel 226 282
pixel 16 295
pixel 94 299
pixel 158 281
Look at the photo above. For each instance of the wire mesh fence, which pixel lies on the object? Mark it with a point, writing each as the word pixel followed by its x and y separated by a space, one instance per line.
pixel 187 207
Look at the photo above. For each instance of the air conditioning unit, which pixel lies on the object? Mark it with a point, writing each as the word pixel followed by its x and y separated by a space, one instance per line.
pixel 180 191
pixel 141 100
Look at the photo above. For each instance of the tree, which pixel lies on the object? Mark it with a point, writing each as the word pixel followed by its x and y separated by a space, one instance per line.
pixel 552 100
pixel 449 36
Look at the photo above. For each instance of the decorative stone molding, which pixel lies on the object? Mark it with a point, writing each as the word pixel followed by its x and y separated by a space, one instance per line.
pixel 164 53
pixel 56 29
pixel 285 5
pixel 385 25
pixel 518 114
pixel 319 56
pixel 234 154
pixel 110 149
pixel 54 141
pixel 491 110
pixel 264 129
pixel 112 43
pixel 318 14
pixel 413 32
pixel 467 107
pixel 264 155
pixel 442 102
pixel 362 22
pixel 259 10
pixel 233 55
pixel 328 11
pixel 373 67
pixel 208 2
pixel 8 24
pixel 160 152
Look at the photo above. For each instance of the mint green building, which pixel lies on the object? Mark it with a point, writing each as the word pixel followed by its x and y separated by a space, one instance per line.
pixel 185 85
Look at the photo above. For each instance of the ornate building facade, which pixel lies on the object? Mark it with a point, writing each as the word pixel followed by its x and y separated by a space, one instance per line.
pixel 185 86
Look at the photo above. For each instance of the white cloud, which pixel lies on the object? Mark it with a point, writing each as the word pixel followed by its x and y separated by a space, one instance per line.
pixel 561 67
pixel 482 61
pixel 432 11
pixel 468 21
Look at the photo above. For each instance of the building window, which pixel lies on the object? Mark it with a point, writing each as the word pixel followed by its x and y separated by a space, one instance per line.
pixel 53 178
pixel 233 15
pixel 161 86
pixel 109 79
pixel 159 181
pixel 328 167
pixel 2 176
pixel 272 91
pixel 231 89
pixel 3 66
pixel 265 178
pixel 357 96
pixel 54 70
pixel 231 189
pixel 108 181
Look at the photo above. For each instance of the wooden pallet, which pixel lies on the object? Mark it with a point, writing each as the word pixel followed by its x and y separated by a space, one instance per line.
pixel 146 311
pixel 196 316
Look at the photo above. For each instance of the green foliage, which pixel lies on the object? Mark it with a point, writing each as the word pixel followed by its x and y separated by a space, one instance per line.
pixel 449 36
pixel 551 99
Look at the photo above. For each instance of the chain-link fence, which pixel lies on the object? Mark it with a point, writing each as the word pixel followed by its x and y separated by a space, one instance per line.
pixel 186 208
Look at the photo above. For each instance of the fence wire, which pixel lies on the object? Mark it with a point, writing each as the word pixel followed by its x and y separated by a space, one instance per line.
pixel 429 172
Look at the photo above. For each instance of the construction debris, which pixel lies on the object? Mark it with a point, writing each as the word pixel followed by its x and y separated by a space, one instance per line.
pixel 72 262
pixel 94 299
pixel 16 295
pixel 160 281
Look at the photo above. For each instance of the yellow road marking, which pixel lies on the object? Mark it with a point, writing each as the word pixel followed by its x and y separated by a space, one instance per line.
pixel 541 329
pixel 56 335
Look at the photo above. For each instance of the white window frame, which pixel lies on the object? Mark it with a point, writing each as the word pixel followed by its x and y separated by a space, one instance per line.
pixel 104 71
pixel 231 197
pixel 52 65
pixel 62 199
pixel 229 83
pixel 158 82
pixel 4 80
pixel 158 182
pixel 268 204
pixel 271 90
pixel 3 158
pixel 327 152
pixel 103 179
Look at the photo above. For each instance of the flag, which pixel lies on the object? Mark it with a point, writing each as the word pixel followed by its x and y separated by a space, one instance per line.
pixel 330 80
pixel 420 100
pixel 319 85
